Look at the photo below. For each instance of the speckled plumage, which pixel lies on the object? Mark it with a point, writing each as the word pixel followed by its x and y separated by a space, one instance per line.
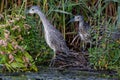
pixel 53 37
pixel 83 30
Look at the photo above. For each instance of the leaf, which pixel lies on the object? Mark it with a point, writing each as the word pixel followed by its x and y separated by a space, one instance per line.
pixel 17 65
pixel 18 59
pixel 10 46
pixel 28 56
pixel 3 59
pixel 33 67
pixel 8 66
pixel 61 11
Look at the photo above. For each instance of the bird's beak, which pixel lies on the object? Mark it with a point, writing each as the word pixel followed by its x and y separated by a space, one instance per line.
pixel 71 20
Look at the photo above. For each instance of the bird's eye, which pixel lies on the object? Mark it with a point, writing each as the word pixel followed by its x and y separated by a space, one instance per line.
pixel 78 18
pixel 32 9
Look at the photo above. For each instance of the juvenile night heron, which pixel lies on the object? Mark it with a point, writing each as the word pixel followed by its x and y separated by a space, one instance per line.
pixel 83 30
pixel 53 37
pixel 115 35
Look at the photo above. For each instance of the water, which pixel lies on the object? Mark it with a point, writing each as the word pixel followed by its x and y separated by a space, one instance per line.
pixel 51 74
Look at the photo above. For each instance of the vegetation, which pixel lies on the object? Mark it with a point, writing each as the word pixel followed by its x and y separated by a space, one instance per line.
pixel 22 41
pixel 12 53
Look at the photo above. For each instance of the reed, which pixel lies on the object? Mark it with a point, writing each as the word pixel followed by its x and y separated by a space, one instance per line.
pixel 100 14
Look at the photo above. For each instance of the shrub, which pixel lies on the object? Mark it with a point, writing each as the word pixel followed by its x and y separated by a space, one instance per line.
pixel 12 54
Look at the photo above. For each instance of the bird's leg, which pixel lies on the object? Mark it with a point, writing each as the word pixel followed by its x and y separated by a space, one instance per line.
pixel 74 39
pixel 83 46
pixel 53 60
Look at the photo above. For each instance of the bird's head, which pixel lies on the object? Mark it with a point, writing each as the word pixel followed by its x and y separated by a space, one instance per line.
pixel 77 18
pixel 33 9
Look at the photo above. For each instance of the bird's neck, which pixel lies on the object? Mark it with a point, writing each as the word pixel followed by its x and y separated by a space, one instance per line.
pixel 44 20
pixel 81 24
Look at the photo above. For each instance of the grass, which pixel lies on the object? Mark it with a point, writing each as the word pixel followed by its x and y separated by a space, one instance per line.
pixel 104 54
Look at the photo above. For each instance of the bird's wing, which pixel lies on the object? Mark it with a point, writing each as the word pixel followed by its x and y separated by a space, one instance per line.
pixel 58 40
pixel 87 27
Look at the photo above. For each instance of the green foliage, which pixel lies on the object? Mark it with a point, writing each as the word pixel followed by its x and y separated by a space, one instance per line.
pixel 21 35
pixel 106 57
pixel 12 54
pixel 106 51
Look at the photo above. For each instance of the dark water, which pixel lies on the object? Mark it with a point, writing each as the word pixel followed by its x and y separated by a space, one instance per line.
pixel 50 74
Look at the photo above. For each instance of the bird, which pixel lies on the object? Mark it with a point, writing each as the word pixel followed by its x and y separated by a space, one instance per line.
pixel 53 37
pixel 83 30
pixel 115 35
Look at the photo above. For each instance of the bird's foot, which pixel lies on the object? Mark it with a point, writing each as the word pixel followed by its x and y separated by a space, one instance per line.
pixel 52 63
